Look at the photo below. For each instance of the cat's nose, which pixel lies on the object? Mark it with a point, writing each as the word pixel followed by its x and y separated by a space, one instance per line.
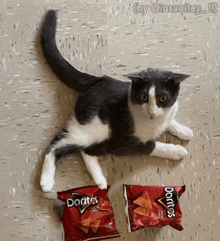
pixel 151 111
pixel 152 116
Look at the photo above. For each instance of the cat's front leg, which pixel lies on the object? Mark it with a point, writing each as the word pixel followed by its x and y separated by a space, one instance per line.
pixel 94 169
pixel 179 130
pixel 169 151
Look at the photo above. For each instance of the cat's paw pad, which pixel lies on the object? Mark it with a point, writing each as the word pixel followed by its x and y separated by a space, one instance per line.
pixel 46 183
pixel 178 152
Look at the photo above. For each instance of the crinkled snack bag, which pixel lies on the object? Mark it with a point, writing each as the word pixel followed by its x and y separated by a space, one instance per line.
pixel 152 206
pixel 88 214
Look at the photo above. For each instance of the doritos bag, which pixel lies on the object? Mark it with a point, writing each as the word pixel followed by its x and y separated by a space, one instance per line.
pixel 152 206
pixel 88 214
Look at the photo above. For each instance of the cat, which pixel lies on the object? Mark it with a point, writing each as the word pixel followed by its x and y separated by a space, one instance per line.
pixel 111 116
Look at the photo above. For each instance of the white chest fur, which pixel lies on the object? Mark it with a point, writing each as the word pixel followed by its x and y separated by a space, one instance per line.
pixel 88 134
pixel 150 129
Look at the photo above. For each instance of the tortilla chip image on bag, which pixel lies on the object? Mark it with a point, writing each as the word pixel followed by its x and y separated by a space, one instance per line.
pixel 87 214
pixel 152 206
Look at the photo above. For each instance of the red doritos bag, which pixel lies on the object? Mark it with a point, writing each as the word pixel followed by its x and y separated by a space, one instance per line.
pixel 152 206
pixel 88 214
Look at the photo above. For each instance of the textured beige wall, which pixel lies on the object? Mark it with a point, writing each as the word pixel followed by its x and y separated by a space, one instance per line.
pixel 106 37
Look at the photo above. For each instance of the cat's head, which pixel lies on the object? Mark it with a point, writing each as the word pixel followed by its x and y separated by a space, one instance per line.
pixel 155 90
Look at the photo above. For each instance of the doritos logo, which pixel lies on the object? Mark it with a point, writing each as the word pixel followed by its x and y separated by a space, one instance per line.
pixel 169 201
pixel 81 201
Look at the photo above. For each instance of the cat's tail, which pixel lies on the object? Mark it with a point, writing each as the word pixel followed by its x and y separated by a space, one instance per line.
pixel 65 72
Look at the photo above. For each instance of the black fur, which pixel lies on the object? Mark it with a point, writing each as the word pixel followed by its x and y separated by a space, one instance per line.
pixel 119 147
pixel 104 99
pixel 64 71
pixel 61 134
pixel 68 149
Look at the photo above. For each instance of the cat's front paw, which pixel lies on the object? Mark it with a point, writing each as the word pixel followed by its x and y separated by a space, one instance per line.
pixel 181 131
pixel 169 151
pixel 178 152
pixel 46 183
pixel 185 133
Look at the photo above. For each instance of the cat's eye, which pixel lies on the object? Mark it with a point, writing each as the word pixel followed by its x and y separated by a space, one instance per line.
pixel 144 97
pixel 163 99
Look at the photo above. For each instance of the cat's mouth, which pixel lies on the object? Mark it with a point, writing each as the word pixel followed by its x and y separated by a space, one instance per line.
pixel 151 115
pixel 155 114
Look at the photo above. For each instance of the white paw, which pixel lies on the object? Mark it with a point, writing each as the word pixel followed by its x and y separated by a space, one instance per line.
pixel 169 151
pixel 178 152
pixel 46 183
pixel 101 182
pixel 181 131
pixel 185 133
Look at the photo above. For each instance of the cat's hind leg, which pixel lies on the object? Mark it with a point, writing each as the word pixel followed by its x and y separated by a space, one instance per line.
pixel 50 162
pixel 94 169
pixel 59 146
pixel 48 172
pixel 75 137
pixel 179 130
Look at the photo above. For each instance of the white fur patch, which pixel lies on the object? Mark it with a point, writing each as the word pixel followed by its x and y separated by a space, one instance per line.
pixel 84 135
pixel 152 105
pixel 88 134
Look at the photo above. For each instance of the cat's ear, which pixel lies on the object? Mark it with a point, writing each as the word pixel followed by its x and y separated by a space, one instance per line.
pixel 133 78
pixel 178 78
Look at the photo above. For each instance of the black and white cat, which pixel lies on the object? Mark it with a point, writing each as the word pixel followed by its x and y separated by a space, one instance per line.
pixel 111 116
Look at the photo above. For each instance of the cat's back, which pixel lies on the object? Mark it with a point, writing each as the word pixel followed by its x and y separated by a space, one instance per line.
pixel 100 98
pixel 109 87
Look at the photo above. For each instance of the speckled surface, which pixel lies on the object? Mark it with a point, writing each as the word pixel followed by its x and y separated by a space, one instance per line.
pixel 106 37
